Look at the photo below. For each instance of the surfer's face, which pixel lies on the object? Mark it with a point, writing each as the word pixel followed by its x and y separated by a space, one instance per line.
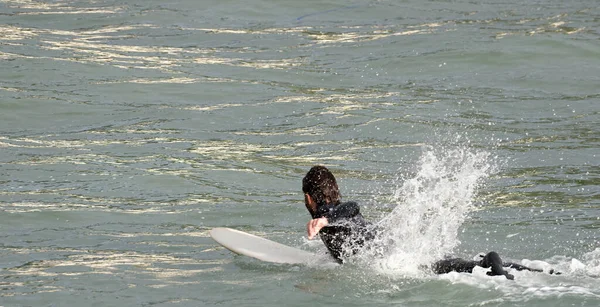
pixel 310 203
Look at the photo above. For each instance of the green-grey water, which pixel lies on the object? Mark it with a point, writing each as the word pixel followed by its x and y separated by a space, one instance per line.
pixel 129 129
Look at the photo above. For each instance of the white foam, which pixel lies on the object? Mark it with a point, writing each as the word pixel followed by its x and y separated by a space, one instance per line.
pixel 592 259
pixel 527 285
pixel 430 208
pixel 579 278
pixel 423 228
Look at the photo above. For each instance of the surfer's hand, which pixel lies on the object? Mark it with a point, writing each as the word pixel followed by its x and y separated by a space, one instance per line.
pixel 314 226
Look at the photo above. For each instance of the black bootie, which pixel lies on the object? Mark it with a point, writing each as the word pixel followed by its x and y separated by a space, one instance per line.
pixel 493 260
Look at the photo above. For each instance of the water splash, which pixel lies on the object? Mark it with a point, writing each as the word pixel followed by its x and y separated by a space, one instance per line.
pixel 591 263
pixel 430 208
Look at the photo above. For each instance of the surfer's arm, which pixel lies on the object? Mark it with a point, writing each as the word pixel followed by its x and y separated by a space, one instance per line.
pixel 331 214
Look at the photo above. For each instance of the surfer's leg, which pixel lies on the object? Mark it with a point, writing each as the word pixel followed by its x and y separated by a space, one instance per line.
pixel 454 265
pixel 520 267
pixel 493 260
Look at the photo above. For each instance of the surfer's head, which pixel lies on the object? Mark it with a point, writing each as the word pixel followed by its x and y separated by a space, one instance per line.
pixel 320 188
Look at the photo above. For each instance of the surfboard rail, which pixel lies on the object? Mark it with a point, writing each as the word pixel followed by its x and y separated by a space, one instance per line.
pixel 250 245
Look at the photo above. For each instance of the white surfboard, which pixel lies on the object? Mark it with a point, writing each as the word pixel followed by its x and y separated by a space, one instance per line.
pixel 253 246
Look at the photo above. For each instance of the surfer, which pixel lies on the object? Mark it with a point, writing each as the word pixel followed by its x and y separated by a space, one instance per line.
pixel 344 230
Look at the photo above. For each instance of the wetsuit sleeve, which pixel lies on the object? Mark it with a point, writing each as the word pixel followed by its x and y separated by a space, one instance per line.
pixel 342 211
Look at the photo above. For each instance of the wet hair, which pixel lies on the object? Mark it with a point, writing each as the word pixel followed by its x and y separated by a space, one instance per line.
pixel 320 184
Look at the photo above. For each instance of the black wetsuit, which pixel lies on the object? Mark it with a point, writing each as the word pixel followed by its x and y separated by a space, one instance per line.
pixel 348 230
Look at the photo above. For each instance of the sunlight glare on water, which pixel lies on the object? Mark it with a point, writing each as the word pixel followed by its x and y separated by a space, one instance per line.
pixel 130 129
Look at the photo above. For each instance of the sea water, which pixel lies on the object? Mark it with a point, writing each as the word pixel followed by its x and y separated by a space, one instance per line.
pixel 129 129
pixel 424 227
